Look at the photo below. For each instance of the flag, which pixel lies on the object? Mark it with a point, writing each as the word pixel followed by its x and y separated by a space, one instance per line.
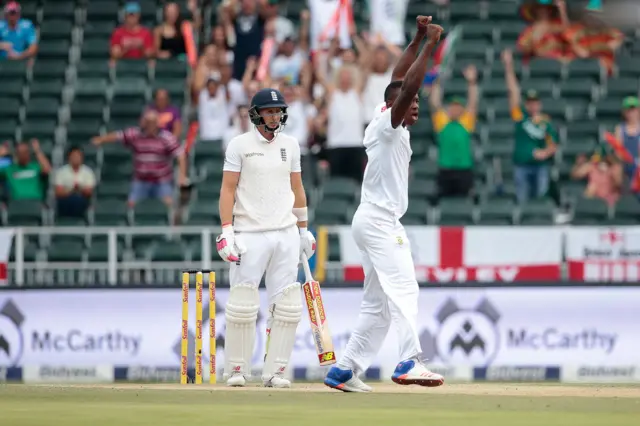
pixel 624 154
pixel 443 56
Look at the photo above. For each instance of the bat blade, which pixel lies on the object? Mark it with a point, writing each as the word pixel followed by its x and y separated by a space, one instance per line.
pixel 318 321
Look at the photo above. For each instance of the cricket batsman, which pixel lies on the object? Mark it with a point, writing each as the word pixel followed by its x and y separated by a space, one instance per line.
pixel 390 285
pixel 263 209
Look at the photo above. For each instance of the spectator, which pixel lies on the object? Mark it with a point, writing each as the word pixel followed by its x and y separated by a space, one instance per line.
pixel 543 38
pixel 603 174
pixel 240 123
pixel 18 37
pixel 169 117
pixel 283 27
pixel 454 127
pixel 207 64
pixel 232 88
pixel 245 28
pixel 74 185
pixel 219 40
pixel 345 152
pixel 628 133
pixel 301 113
pixel 213 109
pixel 132 40
pixel 379 77
pixel 387 20
pixel 153 152
pixel 324 26
pixel 5 155
pixel 591 38
pixel 291 57
pixel 169 40
pixel 535 138
pixel 24 177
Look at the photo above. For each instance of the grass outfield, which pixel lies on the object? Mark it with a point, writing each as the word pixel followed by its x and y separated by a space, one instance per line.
pixel 313 404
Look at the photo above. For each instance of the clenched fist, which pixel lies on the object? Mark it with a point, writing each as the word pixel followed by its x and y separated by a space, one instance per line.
pixel 423 23
pixel 434 32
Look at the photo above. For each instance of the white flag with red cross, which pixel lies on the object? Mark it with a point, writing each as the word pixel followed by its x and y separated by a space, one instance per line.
pixel 6 239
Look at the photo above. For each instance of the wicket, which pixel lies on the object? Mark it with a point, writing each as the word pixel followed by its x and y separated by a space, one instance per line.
pixel 184 349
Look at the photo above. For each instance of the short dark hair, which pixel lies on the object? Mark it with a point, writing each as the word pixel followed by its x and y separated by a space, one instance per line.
pixel 73 149
pixel 389 92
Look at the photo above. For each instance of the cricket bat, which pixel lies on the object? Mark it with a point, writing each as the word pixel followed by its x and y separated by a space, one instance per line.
pixel 317 318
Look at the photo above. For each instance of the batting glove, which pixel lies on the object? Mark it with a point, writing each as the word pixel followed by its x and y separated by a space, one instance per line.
pixel 307 243
pixel 227 246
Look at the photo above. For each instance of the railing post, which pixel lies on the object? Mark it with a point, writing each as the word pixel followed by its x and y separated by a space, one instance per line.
pixel 206 248
pixel 19 257
pixel 113 256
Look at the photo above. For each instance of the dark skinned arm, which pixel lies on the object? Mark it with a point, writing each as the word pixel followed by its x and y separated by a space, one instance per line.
pixel 409 54
pixel 414 78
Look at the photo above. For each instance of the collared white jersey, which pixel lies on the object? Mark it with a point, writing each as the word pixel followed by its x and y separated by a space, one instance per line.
pixel 264 199
pixel 386 177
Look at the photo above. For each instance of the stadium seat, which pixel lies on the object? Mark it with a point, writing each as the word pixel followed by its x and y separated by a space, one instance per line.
pixel 39 128
pixel 68 251
pixel 341 189
pixel 54 49
pixel 332 212
pixel 455 211
pixel 24 213
pixel 590 209
pixel 628 209
pixel 168 251
pixel 417 212
pixel 541 210
pixel 110 211
pixel 53 29
pixel 150 212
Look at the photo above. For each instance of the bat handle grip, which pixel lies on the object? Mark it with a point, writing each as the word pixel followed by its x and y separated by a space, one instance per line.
pixel 305 265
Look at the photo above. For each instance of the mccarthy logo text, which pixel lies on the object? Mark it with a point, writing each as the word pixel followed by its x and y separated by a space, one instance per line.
pixel 554 339
pixel 77 341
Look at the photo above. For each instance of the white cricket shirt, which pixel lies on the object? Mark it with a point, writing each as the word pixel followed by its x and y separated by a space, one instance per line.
pixel 264 199
pixel 386 177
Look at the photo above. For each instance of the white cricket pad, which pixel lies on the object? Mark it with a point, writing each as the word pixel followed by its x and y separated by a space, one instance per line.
pixel 282 323
pixel 241 314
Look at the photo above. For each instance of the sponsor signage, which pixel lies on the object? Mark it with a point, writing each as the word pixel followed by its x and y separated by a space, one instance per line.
pixel 507 327
pixel 72 374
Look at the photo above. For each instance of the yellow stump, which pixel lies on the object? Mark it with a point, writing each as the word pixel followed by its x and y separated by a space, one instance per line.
pixel 184 344
pixel 199 285
pixel 212 328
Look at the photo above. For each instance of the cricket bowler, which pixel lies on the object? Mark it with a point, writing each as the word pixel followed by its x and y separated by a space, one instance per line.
pixel 263 209
pixel 390 285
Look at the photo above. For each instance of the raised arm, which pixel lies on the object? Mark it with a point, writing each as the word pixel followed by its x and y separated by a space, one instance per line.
pixel 409 55
pixel 415 76
pixel 435 97
pixel 471 75
pixel 108 138
pixel 512 81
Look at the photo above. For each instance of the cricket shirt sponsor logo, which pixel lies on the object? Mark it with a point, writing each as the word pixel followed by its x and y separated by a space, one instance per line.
pixel 254 154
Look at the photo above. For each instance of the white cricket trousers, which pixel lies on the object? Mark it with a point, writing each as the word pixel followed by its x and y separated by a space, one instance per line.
pixel 272 254
pixel 390 289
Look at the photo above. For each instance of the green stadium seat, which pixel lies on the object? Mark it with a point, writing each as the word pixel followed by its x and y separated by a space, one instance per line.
pixel 175 86
pixel 53 29
pixel 58 10
pixel 42 108
pixel 170 68
pixel 96 48
pixel 99 252
pixel 132 69
pixel 341 189
pixel 110 211
pixel 29 10
pixel 510 29
pixel 333 252
pixel 121 123
pixel 93 68
pixel 478 30
pixel 150 212
pixel 424 169
pixel 91 87
pixel 539 209
pixel 54 49
pixel 585 68
pixel 115 190
pixel 456 211
pixel 130 87
pixel 83 129
pixel 622 86
pixel 494 88
pixel 69 251
pixel 52 88
pixel 9 108
pixel 628 66
pixel 628 208
pixel 116 153
pixel 582 88
pixel 502 11
pixel 24 213
pixel 204 212
pixel 91 109
pixel 497 70
pixel 548 68
pixel 419 148
pixel 49 69
pixel 39 128
pixel 126 107
pixel 609 108
pixel 455 87
pixel 473 50
pixel 13 69
pixel 8 128
pixel 99 29
pixel 591 209
pixel 71 221
pixel 332 212
pixel 463 11
pixel 102 10
pixel 422 190
pixel 496 211
pixel 556 109
pixel 544 86
pixel 423 129
pixel 12 88
pixel 168 251
pixel 29 254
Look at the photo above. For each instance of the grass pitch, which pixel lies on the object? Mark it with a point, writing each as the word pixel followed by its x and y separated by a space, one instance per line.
pixel 312 405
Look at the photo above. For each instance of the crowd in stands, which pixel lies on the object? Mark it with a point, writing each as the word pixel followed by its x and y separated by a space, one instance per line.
pixel 333 71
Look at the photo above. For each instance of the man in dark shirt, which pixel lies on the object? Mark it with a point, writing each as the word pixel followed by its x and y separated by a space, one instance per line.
pixel 248 22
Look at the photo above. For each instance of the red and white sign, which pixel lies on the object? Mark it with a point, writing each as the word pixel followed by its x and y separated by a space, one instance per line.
pixel 6 239
pixel 477 253
pixel 604 254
